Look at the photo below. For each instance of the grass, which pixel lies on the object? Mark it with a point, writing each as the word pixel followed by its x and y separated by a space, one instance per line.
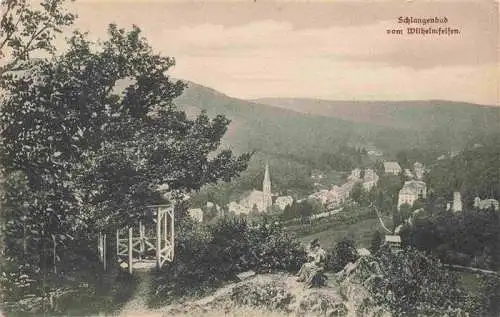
pixel 104 293
pixel 361 232
pixel 470 281
pixel 330 230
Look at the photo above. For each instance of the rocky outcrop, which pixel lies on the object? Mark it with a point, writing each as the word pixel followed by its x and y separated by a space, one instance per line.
pixel 355 281
pixel 344 295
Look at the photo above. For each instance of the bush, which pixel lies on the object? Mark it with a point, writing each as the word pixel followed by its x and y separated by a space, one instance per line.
pixel 414 284
pixel 207 255
pixel 344 252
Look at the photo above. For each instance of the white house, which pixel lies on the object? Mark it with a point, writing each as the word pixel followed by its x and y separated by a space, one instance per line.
pixel 411 191
pixel 408 173
pixel 355 174
pixel 392 168
pixel 419 170
pixel 394 241
pixel 196 214
pixel 370 179
pixel 283 201
pixel 457 202
pixel 483 204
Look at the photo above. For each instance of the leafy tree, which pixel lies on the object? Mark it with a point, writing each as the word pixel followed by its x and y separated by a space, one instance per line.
pixel 411 283
pixel 95 132
pixel 468 238
pixel 376 242
pixel 344 252
pixel 305 210
pixel 255 210
pixel 491 295
pixel 26 29
pixel 402 159
pixel 359 195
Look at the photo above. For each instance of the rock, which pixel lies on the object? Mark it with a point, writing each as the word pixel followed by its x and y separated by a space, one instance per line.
pixel 246 275
pixel 346 296
pixel 321 304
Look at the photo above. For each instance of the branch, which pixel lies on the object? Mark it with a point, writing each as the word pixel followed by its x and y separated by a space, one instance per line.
pixel 33 37
pixel 9 35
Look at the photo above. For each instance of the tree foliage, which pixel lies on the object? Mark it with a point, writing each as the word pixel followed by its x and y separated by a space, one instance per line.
pixel 376 242
pixel 411 283
pixel 474 172
pixel 469 238
pixel 343 252
pixel 210 254
pixel 26 29
pixel 92 134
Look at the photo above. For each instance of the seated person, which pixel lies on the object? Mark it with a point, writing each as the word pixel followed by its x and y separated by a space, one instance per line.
pixel 312 272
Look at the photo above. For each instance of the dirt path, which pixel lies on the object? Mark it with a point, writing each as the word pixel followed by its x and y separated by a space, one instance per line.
pixel 137 305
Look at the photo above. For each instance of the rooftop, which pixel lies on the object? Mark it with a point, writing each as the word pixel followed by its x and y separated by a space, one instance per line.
pixel 391 165
pixel 395 239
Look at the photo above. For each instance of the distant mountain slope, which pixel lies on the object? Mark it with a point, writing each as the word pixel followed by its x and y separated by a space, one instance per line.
pixel 417 115
pixel 275 130
pixel 310 127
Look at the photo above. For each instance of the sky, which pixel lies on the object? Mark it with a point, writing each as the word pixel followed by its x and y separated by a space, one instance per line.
pixel 317 49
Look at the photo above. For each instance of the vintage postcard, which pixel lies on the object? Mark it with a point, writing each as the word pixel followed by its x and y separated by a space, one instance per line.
pixel 249 158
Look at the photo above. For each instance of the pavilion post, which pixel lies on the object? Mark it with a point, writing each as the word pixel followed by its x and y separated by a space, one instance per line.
pixel 104 252
pixel 117 243
pixel 130 259
pixel 99 245
pixel 172 233
pixel 54 254
pixel 165 220
pixel 158 239
pixel 141 240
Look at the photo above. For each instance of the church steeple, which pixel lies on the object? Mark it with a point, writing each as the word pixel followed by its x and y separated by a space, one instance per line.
pixel 266 190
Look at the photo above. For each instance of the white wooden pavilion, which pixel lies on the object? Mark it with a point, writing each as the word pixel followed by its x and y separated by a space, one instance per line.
pixel 147 245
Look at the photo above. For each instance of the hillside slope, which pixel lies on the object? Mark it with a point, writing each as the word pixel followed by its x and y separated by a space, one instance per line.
pixel 279 131
pixel 418 114
pixel 308 126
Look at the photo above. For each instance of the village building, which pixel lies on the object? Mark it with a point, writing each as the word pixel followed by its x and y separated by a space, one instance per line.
pixel 392 168
pixel 370 179
pixel 339 194
pixel 411 191
pixel 393 241
pixel 355 174
pixel 256 200
pixel 408 173
pixel 483 204
pixel 320 196
pixel 336 195
pixel 419 170
pixel 317 175
pixel 376 153
pixel 363 252
pixel 457 202
pixel 260 201
pixel 196 214
pixel 283 201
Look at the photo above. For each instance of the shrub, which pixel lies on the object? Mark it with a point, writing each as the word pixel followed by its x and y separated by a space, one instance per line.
pixel 207 255
pixel 415 284
pixel 273 249
pixel 344 252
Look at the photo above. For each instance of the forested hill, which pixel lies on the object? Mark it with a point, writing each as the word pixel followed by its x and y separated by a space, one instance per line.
pixel 267 128
pixel 285 129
